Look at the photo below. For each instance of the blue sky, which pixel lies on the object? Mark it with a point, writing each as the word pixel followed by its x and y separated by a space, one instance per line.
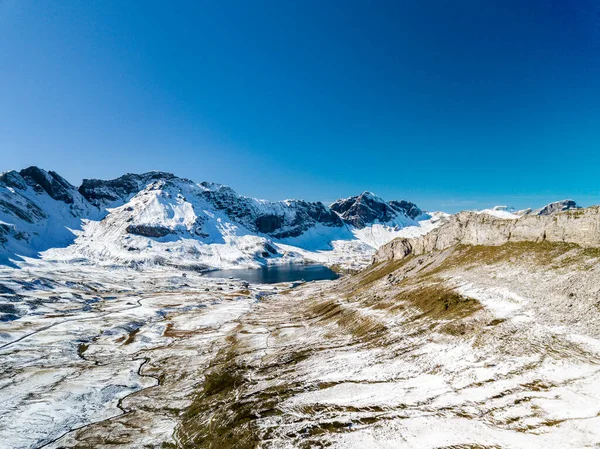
pixel 451 104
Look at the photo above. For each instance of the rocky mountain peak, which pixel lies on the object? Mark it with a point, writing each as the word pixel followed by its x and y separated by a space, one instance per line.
pixel 114 192
pixel 366 208
pixel 407 208
pixel 551 208
pixel 558 206
pixel 50 182
pixel 13 179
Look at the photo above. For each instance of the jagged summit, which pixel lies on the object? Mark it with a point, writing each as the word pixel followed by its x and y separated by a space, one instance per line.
pixel 367 208
pixel 549 209
pixel 558 206
pixel 41 181
pixel 113 192
pixel 38 210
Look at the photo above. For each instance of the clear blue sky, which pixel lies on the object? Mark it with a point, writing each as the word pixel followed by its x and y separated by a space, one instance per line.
pixel 451 104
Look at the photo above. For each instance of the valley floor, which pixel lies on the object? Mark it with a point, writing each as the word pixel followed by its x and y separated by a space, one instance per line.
pixel 458 349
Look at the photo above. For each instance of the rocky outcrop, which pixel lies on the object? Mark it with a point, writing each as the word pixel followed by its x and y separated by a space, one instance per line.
pixel 550 209
pixel 366 209
pixel 407 208
pixel 148 230
pixel 38 211
pixel 9 230
pixel 306 216
pixel 114 192
pixel 50 182
pixel 282 219
pixel 579 226
pixel 268 224
pixel 558 206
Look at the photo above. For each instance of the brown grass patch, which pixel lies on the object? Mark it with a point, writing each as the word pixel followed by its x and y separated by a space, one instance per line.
pixel 131 336
pixel 555 255
pixel 352 321
pixel 81 349
pixel 218 417
pixel 174 333
pixel 439 302
pixel 379 271
pixel 224 413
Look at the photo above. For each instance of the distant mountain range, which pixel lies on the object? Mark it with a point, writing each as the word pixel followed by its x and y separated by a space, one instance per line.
pixel 159 218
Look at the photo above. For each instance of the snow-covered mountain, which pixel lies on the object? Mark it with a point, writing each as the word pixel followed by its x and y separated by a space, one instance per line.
pixel 367 208
pixel 552 208
pixel 39 210
pixel 549 209
pixel 159 218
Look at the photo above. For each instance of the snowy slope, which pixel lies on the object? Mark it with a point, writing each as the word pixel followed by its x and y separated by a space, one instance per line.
pixel 548 209
pixel 169 222
pixel 500 212
pixel 39 210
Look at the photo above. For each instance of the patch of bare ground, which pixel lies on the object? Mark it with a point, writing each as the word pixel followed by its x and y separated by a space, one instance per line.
pixel 377 272
pixel 226 410
pixel 435 301
pixel 131 336
pixel 348 319
pixel 546 254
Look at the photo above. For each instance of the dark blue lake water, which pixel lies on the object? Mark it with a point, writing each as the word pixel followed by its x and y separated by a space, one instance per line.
pixel 278 273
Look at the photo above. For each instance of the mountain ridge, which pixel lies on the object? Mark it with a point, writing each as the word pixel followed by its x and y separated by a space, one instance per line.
pixel 34 202
pixel 579 226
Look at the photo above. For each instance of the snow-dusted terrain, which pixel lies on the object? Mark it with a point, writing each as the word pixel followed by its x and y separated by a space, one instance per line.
pixel 549 209
pixel 74 347
pixel 455 349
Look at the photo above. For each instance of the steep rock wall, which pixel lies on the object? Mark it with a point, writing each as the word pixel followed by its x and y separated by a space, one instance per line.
pixel 580 226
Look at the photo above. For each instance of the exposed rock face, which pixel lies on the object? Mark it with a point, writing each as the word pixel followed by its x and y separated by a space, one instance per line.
pixel 366 208
pixel 551 209
pixel 115 192
pixel 148 230
pixel 282 219
pixel 21 194
pixel 38 209
pixel 307 215
pixel 268 224
pixel 407 208
pixel 23 208
pixel 50 182
pixel 579 226
pixel 559 206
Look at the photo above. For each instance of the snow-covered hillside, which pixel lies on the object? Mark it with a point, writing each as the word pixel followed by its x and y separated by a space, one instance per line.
pixel 159 218
pixel 39 210
pixel 549 209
